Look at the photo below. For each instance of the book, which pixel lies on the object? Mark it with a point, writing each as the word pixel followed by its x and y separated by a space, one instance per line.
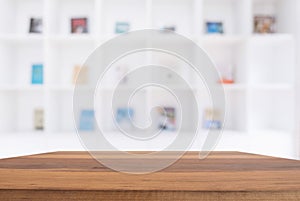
pixel 83 71
pixel 122 27
pixel 86 120
pixel 37 75
pixel 214 28
pixel 167 118
pixel 211 119
pixel 79 25
pixel 124 117
pixel 36 25
pixel 167 28
pixel 227 74
pixel 264 24
pixel 38 119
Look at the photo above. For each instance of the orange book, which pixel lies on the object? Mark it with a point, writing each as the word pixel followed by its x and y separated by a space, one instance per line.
pixel 83 71
pixel 226 81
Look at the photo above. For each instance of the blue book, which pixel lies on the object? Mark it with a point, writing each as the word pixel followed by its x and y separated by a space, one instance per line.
pixel 122 27
pixel 214 27
pixel 124 118
pixel 86 121
pixel 37 76
pixel 212 124
pixel 124 114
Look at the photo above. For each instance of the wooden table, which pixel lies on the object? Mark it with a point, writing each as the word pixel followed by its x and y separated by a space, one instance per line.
pixel 221 176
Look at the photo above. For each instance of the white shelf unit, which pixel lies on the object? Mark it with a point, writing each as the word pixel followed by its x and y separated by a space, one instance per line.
pixel 264 65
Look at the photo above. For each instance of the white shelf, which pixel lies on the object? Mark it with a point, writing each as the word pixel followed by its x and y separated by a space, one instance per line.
pixel 84 38
pixel 277 37
pixel 234 87
pixel 218 39
pixel 66 88
pixel 273 87
pixel 22 88
pixel 213 39
pixel 227 87
pixel 25 38
pixel 263 65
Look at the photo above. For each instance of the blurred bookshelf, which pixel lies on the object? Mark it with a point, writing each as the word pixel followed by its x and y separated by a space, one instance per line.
pixel 263 64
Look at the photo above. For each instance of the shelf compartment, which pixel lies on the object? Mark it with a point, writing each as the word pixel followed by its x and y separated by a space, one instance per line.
pixel 15 15
pixel 8 111
pixel 159 97
pixel 236 111
pixel 61 12
pixel 16 62
pixel 284 12
pixel 271 61
pixel 60 112
pixel 106 108
pixel 229 60
pixel 166 13
pixel 26 104
pixel 271 111
pixel 17 110
pixel 234 14
pixel 174 72
pixel 63 57
pixel 130 11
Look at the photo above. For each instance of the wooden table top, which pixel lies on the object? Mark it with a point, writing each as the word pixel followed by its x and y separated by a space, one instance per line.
pixel 221 171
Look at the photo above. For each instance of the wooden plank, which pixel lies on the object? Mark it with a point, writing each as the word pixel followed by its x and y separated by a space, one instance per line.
pixel 232 173
pixel 50 195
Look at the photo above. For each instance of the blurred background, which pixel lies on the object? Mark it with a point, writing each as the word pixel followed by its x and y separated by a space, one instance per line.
pixel 254 44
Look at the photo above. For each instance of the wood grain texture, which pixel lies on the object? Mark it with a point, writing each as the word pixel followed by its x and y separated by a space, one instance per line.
pixel 51 195
pixel 221 176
